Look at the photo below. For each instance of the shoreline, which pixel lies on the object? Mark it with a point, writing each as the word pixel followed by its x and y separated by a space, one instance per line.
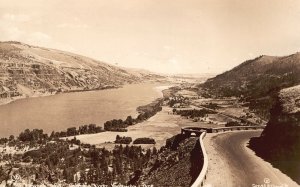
pixel 39 94
pixel 13 99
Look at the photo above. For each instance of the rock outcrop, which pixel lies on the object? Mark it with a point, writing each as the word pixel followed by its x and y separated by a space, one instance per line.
pixel 280 140
pixel 177 164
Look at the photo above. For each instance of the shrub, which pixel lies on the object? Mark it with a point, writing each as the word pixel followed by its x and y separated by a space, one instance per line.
pixel 144 141
pixel 232 124
pixel 123 140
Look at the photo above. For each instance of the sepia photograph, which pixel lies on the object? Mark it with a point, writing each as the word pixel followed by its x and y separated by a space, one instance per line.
pixel 149 93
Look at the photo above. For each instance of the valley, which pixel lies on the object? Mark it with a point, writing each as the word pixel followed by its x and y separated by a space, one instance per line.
pixel 109 125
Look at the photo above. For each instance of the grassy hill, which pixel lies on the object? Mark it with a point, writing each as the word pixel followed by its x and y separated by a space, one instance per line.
pixel 258 77
pixel 257 80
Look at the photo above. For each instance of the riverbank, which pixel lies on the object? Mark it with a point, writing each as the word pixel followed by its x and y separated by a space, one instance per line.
pixel 4 101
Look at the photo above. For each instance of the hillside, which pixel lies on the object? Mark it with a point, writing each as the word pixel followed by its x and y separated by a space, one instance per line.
pixel 25 70
pixel 177 164
pixel 280 140
pixel 258 77
pixel 257 80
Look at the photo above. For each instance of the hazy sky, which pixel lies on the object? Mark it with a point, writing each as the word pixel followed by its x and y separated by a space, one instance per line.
pixel 170 36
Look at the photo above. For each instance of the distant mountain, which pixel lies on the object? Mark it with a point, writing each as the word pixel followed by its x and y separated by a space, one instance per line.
pixel 26 69
pixel 196 75
pixel 142 73
pixel 257 80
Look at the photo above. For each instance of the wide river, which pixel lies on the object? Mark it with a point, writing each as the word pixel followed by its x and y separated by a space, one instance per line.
pixel 58 112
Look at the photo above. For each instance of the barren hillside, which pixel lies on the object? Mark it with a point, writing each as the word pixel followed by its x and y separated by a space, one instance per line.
pixel 26 69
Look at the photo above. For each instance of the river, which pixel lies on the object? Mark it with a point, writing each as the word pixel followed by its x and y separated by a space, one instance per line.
pixel 58 112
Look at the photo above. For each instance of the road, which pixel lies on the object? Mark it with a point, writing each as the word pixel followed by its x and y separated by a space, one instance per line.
pixel 232 163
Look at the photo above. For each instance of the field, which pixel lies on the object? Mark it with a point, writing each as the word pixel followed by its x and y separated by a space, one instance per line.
pixel 160 127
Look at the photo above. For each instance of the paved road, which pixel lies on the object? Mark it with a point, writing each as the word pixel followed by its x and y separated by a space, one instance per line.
pixel 232 163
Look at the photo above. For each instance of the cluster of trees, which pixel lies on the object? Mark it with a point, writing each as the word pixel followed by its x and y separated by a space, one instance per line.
pixel 175 100
pixel 232 124
pixel 73 131
pixel 34 135
pixel 56 162
pixel 128 140
pixel 3 140
pixel 118 125
pixel 151 108
pixel 123 140
pixel 75 141
pixel 261 106
pixel 144 141
pixel 6 140
pixel 213 106
pixel 194 113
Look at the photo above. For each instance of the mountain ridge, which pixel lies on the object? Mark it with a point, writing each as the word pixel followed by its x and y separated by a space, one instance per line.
pixel 40 69
pixel 245 75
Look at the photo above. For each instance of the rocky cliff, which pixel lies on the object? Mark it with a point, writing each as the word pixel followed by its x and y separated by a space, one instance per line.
pixel 280 140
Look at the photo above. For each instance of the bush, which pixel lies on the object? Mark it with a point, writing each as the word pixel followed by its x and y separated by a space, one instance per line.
pixel 115 125
pixel 232 124
pixel 123 140
pixel 144 141
pixel 194 113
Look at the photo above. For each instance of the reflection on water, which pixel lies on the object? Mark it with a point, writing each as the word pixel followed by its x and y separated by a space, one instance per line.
pixel 61 111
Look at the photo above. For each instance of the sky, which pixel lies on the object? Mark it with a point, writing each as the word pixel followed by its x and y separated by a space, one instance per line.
pixel 165 36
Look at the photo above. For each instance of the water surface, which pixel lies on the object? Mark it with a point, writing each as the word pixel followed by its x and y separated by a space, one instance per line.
pixel 61 111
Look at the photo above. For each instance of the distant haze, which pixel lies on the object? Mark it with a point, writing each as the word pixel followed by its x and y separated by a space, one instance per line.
pixel 168 36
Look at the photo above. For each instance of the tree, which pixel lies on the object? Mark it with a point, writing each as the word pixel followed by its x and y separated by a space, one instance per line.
pixel 3 140
pixel 71 131
pixel 154 151
pixel 92 128
pixel 11 138
pixel 83 129
pixel 148 153
pixel 129 120
pixel 174 110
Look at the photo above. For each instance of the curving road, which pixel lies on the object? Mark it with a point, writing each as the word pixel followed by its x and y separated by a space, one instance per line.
pixel 232 163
